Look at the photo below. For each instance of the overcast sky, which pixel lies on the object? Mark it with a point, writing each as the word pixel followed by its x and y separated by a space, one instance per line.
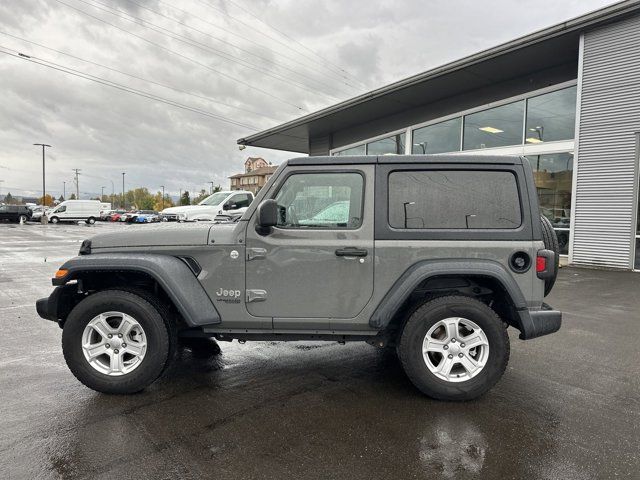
pixel 255 63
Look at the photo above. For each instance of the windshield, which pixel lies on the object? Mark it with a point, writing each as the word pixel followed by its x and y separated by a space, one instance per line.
pixel 214 199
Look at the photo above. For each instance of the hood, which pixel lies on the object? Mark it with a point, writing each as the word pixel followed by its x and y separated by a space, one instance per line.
pixel 182 209
pixel 167 235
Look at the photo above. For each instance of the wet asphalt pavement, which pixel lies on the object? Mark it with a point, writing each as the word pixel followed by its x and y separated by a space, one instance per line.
pixel 568 406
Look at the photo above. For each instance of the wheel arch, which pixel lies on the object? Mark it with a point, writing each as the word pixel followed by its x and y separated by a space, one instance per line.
pixel 434 278
pixel 168 277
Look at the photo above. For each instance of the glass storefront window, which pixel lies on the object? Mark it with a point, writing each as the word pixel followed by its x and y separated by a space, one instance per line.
pixel 439 138
pixel 551 116
pixel 390 145
pixel 553 175
pixel 358 150
pixel 496 127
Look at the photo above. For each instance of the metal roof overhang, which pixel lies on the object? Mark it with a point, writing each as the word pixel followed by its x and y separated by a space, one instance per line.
pixel 545 49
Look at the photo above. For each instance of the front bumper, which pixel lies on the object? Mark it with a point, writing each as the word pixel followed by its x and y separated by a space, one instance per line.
pixel 47 307
pixel 539 322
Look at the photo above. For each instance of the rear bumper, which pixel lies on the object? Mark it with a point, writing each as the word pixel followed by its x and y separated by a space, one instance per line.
pixel 536 323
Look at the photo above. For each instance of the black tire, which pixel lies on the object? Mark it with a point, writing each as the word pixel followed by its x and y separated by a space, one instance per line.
pixel 550 240
pixel 54 220
pixel 161 340
pixel 91 221
pixel 427 315
pixel 22 219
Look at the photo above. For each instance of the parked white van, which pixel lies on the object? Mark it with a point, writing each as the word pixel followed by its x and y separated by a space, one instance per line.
pixel 75 210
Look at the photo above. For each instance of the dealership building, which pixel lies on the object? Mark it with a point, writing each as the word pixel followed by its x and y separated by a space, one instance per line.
pixel 566 97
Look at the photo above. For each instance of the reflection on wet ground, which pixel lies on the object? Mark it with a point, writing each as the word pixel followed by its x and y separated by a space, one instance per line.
pixel 567 407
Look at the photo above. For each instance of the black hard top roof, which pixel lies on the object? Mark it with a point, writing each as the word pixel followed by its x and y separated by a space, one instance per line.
pixel 390 159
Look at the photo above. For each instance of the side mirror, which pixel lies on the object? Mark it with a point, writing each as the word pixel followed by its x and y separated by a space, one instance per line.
pixel 267 216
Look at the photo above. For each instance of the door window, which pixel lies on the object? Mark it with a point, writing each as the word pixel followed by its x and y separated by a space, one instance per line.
pixel 321 200
pixel 240 201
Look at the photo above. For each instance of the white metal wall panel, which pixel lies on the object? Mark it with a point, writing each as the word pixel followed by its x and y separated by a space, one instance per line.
pixel 609 118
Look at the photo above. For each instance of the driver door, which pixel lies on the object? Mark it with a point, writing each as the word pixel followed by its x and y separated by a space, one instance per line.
pixel 317 262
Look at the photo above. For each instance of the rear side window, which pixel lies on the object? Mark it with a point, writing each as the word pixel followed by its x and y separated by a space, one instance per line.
pixel 454 199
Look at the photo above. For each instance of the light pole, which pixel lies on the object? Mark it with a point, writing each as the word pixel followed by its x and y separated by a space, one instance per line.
pixel 102 194
pixel 113 190
pixel 211 189
pixel 64 190
pixel 162 196
pixel 123 190
pixel 43 145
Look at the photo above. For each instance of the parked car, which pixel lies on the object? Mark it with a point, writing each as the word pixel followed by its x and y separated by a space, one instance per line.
pixel 74 211
pixel 227 218
pixel 114 215
pixel 230 202
pixel 146 216
pixel 37 212
pixel 440 291
pixel 14 213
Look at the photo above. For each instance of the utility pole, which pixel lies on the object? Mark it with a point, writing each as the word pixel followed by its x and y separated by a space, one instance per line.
pixel 211 189
pixel 102 195
pixel 123 189
pixel 64 190
pixel 162 196
pixel 77 183
pixel 44 193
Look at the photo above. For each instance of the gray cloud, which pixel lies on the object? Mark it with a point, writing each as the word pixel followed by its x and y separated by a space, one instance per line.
pixel 105 131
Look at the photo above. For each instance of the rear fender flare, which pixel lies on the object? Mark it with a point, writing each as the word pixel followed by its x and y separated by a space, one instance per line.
pixel 420 271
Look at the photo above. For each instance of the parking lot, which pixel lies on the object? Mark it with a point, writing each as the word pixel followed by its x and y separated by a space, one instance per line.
pixel 568 406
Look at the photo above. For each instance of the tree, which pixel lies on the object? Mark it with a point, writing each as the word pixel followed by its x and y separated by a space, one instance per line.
pixel 158 204
pixel 201 196
pixel 61 199
pixel 8 198
pixel 73 197
pixel 47 201
pixel 185 199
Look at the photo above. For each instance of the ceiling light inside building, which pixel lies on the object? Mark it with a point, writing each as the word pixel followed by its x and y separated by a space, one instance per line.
pixel 491 130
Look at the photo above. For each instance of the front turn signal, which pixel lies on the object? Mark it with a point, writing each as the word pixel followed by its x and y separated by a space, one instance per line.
pixel 61 273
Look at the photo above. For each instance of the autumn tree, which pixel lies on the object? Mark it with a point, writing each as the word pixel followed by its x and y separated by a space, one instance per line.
pixel 47 201
pixel 159 205
pixel 185 199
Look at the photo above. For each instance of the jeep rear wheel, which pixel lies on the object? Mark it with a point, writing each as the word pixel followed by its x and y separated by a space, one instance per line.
pixel 454 348
pixel 115 341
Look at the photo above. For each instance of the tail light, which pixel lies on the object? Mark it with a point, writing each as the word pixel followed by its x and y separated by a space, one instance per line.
pixel 541 264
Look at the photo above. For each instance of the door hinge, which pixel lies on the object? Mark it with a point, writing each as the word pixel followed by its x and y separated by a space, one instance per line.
pixel 256 296
pixel 256 253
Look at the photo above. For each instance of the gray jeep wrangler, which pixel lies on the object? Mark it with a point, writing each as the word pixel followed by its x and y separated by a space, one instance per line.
pixel 435 256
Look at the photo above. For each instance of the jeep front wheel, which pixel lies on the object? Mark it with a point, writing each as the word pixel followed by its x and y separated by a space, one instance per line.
pixel 115 341
pixel 454 348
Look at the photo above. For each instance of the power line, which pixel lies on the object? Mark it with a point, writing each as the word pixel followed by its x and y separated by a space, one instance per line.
pixel 221 40
pixel 118 86
pixel 194 43
pixel 183 56
pixel 295 41
pixel 135 76
pixel 329 74
pixel 342 72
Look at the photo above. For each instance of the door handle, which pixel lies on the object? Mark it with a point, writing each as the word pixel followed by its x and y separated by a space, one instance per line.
pixel 351 252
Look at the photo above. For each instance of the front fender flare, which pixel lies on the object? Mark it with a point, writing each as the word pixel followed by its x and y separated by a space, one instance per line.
pixel 171 273
pixel 420 271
